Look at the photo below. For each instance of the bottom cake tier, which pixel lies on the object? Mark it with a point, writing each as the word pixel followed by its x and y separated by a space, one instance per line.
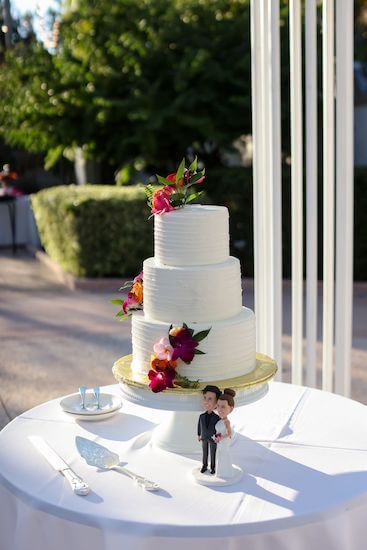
pixel 230 347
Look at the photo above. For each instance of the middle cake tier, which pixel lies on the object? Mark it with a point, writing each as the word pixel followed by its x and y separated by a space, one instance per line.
pixel 229 348
pixel 204 293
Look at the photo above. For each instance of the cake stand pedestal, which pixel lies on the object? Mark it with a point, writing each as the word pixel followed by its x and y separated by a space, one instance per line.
pixel 178 433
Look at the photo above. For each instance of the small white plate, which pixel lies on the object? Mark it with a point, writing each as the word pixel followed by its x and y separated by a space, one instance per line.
pixel 109 405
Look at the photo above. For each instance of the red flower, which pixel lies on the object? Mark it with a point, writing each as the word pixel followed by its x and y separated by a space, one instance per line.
pixel 160 200
pixel 159 381
pixel 183 345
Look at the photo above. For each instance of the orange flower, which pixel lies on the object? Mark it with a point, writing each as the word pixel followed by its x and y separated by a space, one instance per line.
pixel 137 291
pixel 175 331
pixel 159 365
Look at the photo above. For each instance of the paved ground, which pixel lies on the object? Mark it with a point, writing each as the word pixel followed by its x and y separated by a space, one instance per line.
pixel 52 339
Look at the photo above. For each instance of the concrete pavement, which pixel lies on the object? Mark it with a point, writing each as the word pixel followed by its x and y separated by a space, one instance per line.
pixel 52 339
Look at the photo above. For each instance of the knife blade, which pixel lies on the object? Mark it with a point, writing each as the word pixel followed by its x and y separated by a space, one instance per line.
pixel 78 485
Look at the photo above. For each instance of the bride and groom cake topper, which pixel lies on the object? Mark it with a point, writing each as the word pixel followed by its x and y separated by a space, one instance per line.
pixel 215 433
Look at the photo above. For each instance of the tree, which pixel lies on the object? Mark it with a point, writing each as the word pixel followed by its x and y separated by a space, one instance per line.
pixel 133 80
pixel 140 82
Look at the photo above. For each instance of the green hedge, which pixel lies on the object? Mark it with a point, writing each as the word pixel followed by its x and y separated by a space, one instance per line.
pixel 95 230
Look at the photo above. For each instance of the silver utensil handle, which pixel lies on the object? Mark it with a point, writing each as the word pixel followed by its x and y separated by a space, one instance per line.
pixel 77 484
pixel 141 481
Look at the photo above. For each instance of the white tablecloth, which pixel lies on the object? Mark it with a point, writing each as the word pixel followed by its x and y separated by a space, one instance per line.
pixel 26 230
pixel 304 453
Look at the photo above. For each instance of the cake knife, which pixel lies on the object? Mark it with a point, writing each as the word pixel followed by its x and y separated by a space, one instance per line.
pixel 78 485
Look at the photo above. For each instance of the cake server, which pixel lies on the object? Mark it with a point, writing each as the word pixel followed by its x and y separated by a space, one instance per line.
pixel 104 459
pixel 77 484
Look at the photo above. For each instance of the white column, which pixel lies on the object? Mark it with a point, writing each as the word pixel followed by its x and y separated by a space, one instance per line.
pixel 256 84
pixel 328 207
pixel 344 195
pixel 266 184
pixel 296 186
pixel 275 206
pixel 311 190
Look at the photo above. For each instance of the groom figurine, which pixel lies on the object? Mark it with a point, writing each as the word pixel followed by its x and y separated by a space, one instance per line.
pixel 206 426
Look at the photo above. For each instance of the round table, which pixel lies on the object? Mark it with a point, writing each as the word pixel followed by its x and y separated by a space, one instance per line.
pixel 303 451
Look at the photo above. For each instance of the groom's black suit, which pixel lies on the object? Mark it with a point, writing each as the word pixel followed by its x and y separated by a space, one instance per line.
pixel 206 429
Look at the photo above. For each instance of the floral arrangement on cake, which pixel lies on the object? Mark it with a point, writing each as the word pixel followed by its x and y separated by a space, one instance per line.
pixel 177 188
pixel 134 300
pixel 181 345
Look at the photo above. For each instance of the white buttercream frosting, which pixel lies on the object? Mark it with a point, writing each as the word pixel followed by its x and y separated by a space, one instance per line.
pixel 193 235
pixel 229 347
pixel 192 293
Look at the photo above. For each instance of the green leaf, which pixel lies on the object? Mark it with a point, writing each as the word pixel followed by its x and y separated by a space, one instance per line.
pixel 149 191
pixel 117 302
pixel 194 165
pixel 163 180
pixel 184 382
pixel 120 314
pixel 201 335
pixel 123 317
pixel 177 199
pixel 53 156
pixel 193 196
pixel 176 196
pixel 180 170
pixel 128 284
pixel 199 352
pixel 196 178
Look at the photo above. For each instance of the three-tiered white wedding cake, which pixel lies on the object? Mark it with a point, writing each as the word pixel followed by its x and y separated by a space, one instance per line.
pixel 192 279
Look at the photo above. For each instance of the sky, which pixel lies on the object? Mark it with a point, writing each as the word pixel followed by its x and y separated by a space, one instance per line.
pixel 38 8
pixel 22 6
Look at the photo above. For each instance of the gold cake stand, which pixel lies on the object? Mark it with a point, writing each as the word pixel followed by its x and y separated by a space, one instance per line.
pixel 176 433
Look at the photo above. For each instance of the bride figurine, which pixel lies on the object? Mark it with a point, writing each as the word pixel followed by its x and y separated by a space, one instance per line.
pixel 225 470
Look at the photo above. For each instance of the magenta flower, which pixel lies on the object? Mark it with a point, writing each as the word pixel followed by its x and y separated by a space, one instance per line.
pixel 159 381
pixel 183 345
pixel 160 200
pixel 200 180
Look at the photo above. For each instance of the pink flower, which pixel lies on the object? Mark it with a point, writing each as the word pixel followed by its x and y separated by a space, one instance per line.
pixel 183 345
pixel 163 349
pixel 160 200
pixel 130 303
pixel 159 381
pixel 139 278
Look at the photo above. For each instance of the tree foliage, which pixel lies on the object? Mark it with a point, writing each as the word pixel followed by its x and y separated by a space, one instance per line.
pixel 138 82
pixel 133 80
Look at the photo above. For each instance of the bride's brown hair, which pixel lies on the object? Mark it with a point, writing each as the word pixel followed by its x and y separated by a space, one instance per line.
pixel 228 395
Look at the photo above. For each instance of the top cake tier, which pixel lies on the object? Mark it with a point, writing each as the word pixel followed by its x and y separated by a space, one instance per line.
pixel 193 235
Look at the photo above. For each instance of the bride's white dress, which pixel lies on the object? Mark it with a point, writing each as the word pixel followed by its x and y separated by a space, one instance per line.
pixel 224 468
